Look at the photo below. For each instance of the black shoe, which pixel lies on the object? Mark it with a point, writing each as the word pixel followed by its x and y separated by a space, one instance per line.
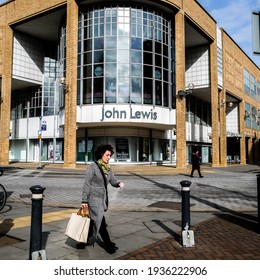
pixel 91 241
pixel 111 248
pixel 191 176
pixel 81 246
pixel 201 176
pixel 90 244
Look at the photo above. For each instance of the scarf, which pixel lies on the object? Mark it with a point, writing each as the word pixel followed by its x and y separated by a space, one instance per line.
pixel 105 166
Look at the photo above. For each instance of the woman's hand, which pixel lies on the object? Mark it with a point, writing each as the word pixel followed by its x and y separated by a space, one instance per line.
pixel 121 185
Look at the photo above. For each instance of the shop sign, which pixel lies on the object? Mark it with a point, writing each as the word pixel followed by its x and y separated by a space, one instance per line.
pixel 233 134
pixel 44 125
pixel 128 114
pixel 122 150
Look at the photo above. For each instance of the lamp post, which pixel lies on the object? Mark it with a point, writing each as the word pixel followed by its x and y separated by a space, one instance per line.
pixel 40 142
pixel 185 92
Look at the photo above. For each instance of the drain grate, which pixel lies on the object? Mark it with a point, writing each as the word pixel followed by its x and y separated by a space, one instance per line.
pixel 6 240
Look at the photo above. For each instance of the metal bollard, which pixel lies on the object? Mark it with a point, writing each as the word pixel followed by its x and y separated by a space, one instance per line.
pixel 36 219
pixel 185 191
pixel 187 234
pixel 258 201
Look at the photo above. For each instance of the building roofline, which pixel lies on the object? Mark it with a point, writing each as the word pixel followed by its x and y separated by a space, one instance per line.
pixel 205 11
pixel 239 46
pixel 6 2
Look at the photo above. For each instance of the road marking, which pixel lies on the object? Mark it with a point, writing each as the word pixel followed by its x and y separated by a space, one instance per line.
pixel 21 222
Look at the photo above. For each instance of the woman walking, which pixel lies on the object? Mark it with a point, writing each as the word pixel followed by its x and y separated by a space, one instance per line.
pixel 196 162
pixel 95 195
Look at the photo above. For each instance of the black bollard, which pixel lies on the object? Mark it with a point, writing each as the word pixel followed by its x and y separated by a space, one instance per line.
pixel 258 201
pixel 185 204
pixel 36 219
pixel 187 234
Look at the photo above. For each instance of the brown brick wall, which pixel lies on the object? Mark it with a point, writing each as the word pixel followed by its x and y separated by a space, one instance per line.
pixel 234 62
pixel 71 79
pixel 200 17
pixel 6 96
pixel 180 85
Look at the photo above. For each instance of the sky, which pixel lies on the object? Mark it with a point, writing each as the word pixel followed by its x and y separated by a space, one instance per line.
pixel 235 17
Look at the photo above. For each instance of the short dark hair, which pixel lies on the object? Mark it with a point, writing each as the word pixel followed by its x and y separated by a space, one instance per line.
pixel 100 150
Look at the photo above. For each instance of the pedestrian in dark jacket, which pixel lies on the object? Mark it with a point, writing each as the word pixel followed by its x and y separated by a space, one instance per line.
pixel 196 162
pixel 95 196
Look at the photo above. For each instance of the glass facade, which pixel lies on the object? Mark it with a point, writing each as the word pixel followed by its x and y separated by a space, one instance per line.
pixel 247 115
pixel 198 111
pixel 35 102
pixel 250 84
pixel 124 56
pixel 26 103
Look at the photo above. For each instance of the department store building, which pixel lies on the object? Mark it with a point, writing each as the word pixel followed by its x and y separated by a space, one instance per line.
pixel 156 79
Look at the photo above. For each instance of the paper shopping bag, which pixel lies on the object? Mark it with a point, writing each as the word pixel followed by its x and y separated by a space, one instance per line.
pixel 78 226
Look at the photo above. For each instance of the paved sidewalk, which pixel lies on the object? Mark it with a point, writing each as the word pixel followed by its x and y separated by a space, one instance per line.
pixel 224 237
pixel 145 220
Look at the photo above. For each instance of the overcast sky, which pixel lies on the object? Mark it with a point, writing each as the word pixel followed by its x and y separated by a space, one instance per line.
pixel 235 17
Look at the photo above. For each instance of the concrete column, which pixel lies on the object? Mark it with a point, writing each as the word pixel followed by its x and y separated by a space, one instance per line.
pixel 7 39
pixel 180 85
pixel 71 81
pixel 242 132
pixel 214 104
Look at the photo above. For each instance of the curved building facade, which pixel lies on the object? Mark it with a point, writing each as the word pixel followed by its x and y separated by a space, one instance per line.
pixel 125 80
pixel 155 79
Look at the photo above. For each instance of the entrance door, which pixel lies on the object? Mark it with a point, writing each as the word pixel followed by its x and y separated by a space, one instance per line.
pixel 233 149
pixel 143 149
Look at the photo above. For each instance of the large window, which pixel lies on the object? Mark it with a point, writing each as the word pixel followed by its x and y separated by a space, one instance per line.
pixel 247 115
pixel 26 103
pixel 198 111
pixel 38 101
pixel 250 84
pixel 124 56
pixel 50 102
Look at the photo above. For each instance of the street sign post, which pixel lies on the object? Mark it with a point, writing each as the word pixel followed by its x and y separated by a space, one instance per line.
pixel 256 32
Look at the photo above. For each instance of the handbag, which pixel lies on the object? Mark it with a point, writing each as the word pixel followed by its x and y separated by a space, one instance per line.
pixel 78 226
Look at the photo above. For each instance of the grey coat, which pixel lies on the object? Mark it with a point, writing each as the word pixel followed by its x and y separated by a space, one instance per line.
pixel 94 192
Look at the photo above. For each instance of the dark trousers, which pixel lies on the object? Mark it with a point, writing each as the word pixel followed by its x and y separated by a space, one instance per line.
pixel 195 167
pixel 102 231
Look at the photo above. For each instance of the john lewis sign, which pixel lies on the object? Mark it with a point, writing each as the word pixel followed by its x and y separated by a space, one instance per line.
pixel 113 113
pixel 110 113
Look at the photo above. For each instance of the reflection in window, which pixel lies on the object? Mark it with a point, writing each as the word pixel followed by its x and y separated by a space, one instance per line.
pixel 136 70
pixel 98 57
pixel 98 90
pixel 248 115
pixel 111 69
pixel 136 93
pixel 123 90
pixel 136 43
pixel 124 56
pixel 111 55
pixel 87 91
pixel 110 93
pixel 148 91
pixel 254 114
pixel 136 57
pixel 20 101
